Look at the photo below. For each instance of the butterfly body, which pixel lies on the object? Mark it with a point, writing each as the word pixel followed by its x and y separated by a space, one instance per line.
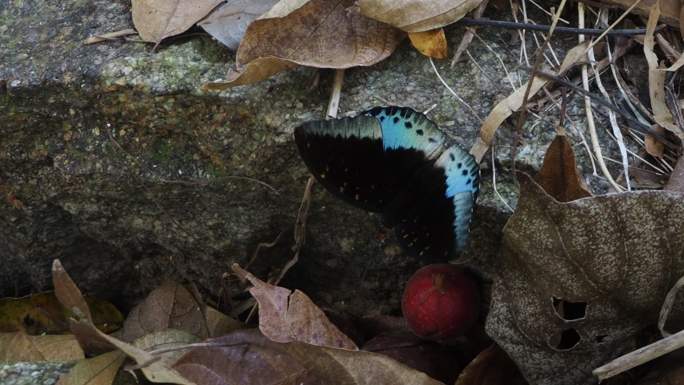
pixel 395 161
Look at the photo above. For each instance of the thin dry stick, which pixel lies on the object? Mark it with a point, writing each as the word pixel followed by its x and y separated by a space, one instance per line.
pixel 334 103
pixel 590 115
pixel 667 306
pixel 537 64
pixel 612 118
pixel 299 228
pixel 110 36
pixel 521 35
pixel 640 356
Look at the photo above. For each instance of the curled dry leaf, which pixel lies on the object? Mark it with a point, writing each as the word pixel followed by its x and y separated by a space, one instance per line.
pixel 286 316
pixel 491 367
pixel 18 347
pixel 100 370
pixel 430 43
pixel 229 21
pixel 68 293
pixel 247 357
pixel 653 146
pixel 417 15
pixel 319 33
pixel 514 101
pixel 170 306
pixel 156 20
pixel 558 175
pixel 578 281
pixel 676 182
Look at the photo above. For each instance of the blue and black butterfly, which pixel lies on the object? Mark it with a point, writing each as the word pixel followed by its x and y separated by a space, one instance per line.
pixel 395 161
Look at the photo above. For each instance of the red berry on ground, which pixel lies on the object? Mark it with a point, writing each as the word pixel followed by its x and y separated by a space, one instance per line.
pixel 440 301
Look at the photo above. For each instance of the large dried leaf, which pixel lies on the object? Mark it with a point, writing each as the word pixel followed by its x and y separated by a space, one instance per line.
pixel 229 22
pixel 514 101
pixel 17 347
pixel 248 358
pixel 430 43
pixel 286 316
pixel 156 20
pixel 577 281
pixel 558 175
pixel 417 15
pixel 100 370
pixel 155 367
pixel 676 182
pixel 42 313
pixel 170 306
pixel 320 33
pixel 491 367
pixel 68 293
pixel 656 77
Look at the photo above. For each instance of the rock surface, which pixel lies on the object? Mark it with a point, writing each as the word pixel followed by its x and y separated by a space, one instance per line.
pixel 113 160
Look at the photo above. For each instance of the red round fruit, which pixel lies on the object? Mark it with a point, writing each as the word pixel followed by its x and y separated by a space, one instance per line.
pixel 440 301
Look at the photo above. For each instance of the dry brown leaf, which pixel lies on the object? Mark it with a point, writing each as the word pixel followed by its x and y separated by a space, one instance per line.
pixel 155 367
pixel 286 316
pixel 42 313
pixel 156 20
pixel 676 182
pixel 100 370
pixel 170 306
pixel 430 43
pixel 514 101
pixel 229 21
pixel 220 324
pixel 247 357
pixel 558 175
pixel 417 15
pixel 656 77
pixel 17 347
pixel 321 33
pixel 577 282
pixel 653 146
pixel 491 367
pixel 670 9
pixel 255 71
pixel 68 293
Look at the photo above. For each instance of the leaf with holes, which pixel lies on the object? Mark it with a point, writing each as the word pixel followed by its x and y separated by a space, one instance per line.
pixel 578 281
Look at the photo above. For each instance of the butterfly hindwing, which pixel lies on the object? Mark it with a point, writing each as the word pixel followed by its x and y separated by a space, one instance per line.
pixel 395 160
